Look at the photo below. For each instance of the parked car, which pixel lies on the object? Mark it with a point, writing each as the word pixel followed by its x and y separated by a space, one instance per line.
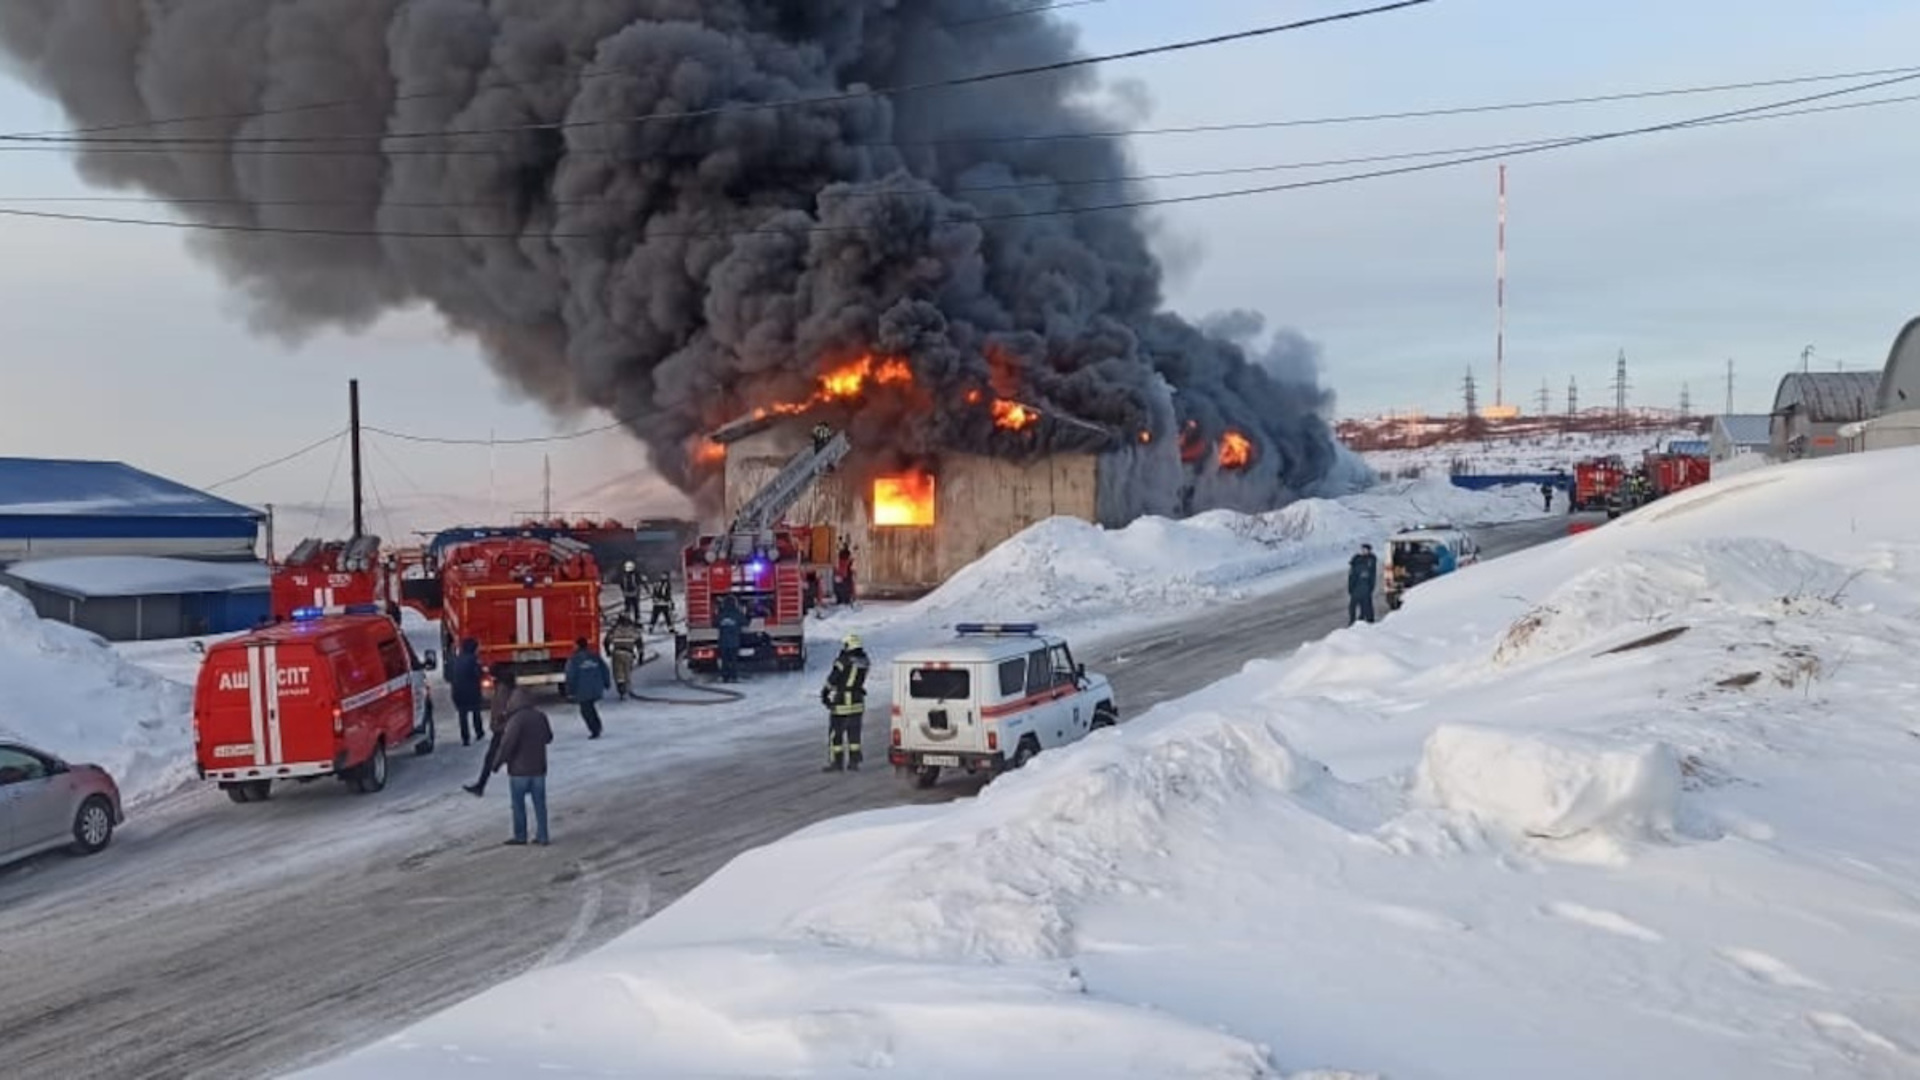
pixel 47 803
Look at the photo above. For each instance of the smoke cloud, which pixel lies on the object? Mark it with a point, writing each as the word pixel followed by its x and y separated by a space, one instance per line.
pixel 682 272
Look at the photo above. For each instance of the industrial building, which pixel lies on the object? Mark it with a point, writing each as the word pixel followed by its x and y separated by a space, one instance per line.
pixel 1811 407
pixel 1732 436
pixel 912 529
pixel 126 554
pixel 1896 419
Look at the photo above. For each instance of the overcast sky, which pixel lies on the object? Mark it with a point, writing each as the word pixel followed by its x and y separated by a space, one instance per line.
pixel 1749 242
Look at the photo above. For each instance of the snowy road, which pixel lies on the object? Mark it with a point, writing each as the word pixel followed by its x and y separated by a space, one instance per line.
pixel 203 945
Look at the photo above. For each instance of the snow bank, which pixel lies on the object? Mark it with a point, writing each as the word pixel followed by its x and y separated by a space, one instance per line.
pixel 67 692
pixel 1551 787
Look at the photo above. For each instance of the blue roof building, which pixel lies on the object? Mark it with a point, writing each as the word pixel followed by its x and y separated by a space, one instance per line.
pixel 59 509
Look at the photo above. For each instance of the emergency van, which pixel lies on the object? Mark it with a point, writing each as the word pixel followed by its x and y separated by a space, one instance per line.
pixel 331 692
pixel 990 700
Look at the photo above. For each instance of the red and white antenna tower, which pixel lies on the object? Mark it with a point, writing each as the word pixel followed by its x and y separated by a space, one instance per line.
pixel 1500 301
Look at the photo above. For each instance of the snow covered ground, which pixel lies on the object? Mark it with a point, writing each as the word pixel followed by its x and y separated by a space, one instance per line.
pixel 1639 803
pixel 1531 455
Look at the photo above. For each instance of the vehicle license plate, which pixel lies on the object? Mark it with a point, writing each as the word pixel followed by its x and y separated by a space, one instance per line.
pixel 947 760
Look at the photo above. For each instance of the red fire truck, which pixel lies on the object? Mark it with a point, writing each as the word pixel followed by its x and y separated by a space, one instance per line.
pixel 1595 480
pixel 326 574
pixel 524 600
pixel 1671 472
pixel 761 563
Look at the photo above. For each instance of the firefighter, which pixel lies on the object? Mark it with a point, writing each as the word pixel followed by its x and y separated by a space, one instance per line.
pixel 631 580
pixel 843 577
pixel 1546 497
pixel 729 621
pixel 623 646
pixel 1363 572
pixel 845 697
pixel 822 435
pixel 662 603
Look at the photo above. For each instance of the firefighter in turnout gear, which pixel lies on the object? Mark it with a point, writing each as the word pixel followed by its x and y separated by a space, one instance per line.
pixel 631 581
pixel 662 603
pixel 623 648
pixel 845 697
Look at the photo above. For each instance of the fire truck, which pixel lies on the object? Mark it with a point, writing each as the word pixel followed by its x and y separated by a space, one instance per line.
pixel 760 561
pixel 1595 481
pixel 524 600
pixel 1670 472
pixel 326 574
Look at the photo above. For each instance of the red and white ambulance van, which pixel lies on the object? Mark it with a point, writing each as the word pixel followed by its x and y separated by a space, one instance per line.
pixel 331 692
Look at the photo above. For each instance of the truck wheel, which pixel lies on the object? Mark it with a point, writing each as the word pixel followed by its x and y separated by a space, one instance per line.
pixel 372 776
pixel 259 790
pixel 92 825
pixel 1029 749
pixel 239 793
pixel 1104 715
pixel 926 776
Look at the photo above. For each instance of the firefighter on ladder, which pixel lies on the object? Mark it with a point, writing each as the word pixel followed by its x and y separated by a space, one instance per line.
pixel 845 697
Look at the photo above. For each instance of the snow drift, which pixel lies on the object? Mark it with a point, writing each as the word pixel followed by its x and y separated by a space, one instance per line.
pixel 67 692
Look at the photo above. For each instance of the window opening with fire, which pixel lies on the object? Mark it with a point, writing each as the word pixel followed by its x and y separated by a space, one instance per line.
pixel 903 501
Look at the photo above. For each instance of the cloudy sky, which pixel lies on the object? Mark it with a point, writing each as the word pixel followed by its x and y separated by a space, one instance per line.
pixel 1748 241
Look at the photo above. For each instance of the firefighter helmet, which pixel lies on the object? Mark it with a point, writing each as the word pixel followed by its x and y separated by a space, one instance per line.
pixel 629 566
pixel 852 641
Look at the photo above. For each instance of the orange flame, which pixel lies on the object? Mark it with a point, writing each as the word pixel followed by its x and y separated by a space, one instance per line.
pixel 1013 416
pixel 903 500
pixel 844 383
pixel 708 452
pixel 1192 446
pixel 973 397
pixel 1146 438
pixel 1236 450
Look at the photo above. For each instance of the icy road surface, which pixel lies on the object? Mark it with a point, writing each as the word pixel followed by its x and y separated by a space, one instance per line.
pixel 216 940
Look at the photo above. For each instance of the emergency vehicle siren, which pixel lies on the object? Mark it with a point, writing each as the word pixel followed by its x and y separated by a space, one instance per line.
pixel 308 614
pixel 996 629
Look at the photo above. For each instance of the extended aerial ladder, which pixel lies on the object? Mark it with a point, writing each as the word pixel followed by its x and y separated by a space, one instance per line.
pixel 752 528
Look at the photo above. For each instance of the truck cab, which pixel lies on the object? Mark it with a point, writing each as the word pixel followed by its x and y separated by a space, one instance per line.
pixel 990 700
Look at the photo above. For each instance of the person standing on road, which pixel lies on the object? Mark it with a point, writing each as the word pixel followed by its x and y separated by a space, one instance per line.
pixel 662 603
pixel 623 646
pixel 730 622
pixel 1363 574
pixel 631 582
pixel 1546 498
pixel 463 679
pixel 506 692
pixel 523 753
pixel 845 697
pixel 587 682
pixel 843 577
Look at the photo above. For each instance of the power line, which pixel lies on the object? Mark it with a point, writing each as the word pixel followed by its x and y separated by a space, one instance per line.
pixel 1041 9
pixel 218 146
pixel 1710 119
pixel 258 469
pixel 957 189
pixel 736 108
pixel 326 496
pixel 536 441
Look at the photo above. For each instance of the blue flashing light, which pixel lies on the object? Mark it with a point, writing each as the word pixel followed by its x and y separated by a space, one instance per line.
pixel 756 568
pixel 307 614
pixel 997 629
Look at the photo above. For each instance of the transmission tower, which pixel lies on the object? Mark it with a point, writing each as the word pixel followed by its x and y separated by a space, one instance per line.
pixel 1470 393
pixel 1545 398
pixel 1686 403
pixel 1620 388
pixel 1729 387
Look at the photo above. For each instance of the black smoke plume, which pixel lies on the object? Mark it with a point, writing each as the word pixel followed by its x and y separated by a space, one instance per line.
pixel 680 272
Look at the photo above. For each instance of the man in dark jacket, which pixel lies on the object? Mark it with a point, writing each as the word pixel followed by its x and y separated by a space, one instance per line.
pixel 1546 498
pixel 845 697
pixel 843 577
pixel 507 696
pixel 523 753
pixel 587 682
pixel 1363 572
pixel 463 679
pixel 631 582
pixel 730 622
pixel 662 603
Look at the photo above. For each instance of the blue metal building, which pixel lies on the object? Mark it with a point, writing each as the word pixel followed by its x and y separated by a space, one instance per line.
pixel 62 509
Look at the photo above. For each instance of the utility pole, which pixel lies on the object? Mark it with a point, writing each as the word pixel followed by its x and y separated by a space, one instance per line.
pixel 1545 399
pixel 269 527
pixel 1470 391
pixel 1500 301
pixel 353 429
pixel 1806 359
pixel 1729 386
pixel 1620 392
pixel 546 488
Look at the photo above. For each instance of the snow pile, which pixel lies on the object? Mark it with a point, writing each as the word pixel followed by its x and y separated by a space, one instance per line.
pixel 1065 568
pixel 1659 855
pixel 67 692
pixel 1550 787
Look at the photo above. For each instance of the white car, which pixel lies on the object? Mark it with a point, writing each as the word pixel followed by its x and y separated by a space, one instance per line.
pixel 990 700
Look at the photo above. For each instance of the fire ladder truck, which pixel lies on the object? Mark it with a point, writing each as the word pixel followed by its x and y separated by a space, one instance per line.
pixel 325 574
pixel 759 562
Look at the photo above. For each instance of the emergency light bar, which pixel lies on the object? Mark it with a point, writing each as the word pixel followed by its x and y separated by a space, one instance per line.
pixel 997 629
pixel 308 614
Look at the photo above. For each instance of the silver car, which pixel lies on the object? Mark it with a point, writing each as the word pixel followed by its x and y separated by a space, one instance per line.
pixel 46 803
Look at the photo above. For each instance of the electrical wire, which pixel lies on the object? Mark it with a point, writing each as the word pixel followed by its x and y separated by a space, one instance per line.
pixel 258 469
pixel 535 441
pixel 956 189
pixel 379 502
pixel 445 503
pixel 1042 9
pixel 737 108
pixel 326 496
pixel 982 218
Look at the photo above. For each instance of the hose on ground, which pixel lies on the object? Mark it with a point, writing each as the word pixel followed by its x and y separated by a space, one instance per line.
pixel 719 696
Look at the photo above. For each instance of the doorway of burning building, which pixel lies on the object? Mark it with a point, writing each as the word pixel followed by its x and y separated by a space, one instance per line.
pixel 905 500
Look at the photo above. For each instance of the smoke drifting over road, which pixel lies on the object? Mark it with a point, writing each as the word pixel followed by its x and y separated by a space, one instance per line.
pixel 682 271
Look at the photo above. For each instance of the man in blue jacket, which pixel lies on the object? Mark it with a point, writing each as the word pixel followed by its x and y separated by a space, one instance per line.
pixel 469 697
pixel 1363 573
pixel 587 682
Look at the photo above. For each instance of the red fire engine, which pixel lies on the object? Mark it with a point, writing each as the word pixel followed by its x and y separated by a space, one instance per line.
pixel 524 600
pixel 325 574
pixel 760 562
pixel 1670 472
pixel 1595 480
